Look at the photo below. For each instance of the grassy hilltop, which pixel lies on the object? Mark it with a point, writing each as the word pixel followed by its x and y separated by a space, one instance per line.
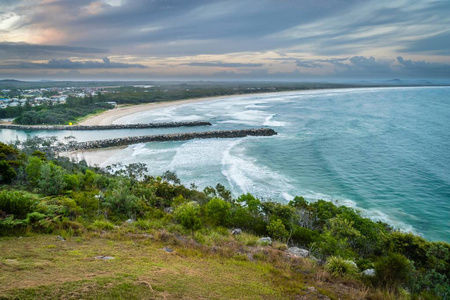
pixel 71 231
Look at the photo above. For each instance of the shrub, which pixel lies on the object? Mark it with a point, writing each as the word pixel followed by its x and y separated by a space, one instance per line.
pixel 16 203
pixel 143 224
pixel 242 218
pixel 75 228
pixel 102 225
pixel 51 179
pixel 188 214
pixel 393 270
pixel 435 282
pixel 247 239
pixel 72 181
pixel 277 230
pixel 217 211
pixel 252 203
pixel 303 236
pixel 329 244
pixel 119 200
pixel 412 246
pixel 340 267
pixel 33 169
pixel 7 173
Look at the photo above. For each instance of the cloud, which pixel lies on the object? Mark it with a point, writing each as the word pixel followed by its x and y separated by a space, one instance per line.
pixel 369 67
pixel 224 65
pixel 435 44
pixel 68 64
pixel 10 50
pixel 307 64
pixel 423 67
pixel 350 38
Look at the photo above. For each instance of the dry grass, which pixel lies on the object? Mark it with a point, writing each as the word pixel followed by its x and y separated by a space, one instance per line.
pixel 46 268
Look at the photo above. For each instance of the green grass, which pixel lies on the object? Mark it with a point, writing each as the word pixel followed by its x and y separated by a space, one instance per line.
pixel 44 267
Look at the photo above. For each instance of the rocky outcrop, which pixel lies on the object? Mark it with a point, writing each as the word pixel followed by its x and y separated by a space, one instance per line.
pixel 369 272
pixel 298 252
pixel 265 241
pixel 105 127
pixel 163 138
pixel 236 231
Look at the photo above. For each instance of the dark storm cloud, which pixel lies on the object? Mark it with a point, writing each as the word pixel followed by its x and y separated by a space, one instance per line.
pixel 223 64
pixel 68 64
pixel 31 51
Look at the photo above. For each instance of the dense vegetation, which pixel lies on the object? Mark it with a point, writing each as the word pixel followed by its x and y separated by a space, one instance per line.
pixel 157 93
pixel 49 113
pixel 44 194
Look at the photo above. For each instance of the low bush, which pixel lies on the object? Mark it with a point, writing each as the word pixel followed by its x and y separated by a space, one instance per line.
pixel 393 270
pixel 16 203
pixel 247 239
pixel 340 267
pixel 102 225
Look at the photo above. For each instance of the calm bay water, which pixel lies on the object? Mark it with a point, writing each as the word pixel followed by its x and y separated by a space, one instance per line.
pixel 385 151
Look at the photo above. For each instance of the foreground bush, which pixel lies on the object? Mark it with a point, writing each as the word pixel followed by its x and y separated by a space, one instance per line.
pixel 340 267
pixel 188 214
pixel 74 196
pixel 393 270
pixel 16 204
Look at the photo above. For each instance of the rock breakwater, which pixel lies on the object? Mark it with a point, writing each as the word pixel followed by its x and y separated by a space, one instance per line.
pixel 164 137
pixel 105 127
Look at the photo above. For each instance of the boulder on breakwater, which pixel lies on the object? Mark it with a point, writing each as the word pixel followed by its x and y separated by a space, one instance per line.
pixel 105 127
pixel 163 138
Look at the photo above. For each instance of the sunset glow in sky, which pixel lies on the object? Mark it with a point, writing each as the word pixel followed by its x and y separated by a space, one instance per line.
pixel 232 40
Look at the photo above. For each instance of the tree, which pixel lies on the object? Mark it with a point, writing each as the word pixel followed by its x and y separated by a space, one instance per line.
pixel 252 203
pixel 223 192
pixel 170 176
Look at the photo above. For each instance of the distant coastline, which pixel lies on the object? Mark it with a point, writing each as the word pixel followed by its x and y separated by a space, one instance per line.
pixel 109 117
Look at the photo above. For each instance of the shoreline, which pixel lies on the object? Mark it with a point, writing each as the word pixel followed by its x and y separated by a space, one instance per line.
pixel 93 157
pixel 110 116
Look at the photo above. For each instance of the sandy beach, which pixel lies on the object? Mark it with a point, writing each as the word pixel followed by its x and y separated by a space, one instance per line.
pixel 94 157
pixel 108 117
pixel 99 156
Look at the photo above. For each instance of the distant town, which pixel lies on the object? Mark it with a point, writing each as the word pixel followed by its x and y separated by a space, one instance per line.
pixel 47 96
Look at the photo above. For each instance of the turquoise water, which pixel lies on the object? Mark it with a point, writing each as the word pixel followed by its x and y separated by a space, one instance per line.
pixel 384 151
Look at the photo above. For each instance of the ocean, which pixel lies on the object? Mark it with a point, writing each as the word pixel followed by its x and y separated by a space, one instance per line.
pixel 383 151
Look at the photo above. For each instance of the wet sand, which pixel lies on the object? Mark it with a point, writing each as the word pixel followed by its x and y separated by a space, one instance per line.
pixel 94 157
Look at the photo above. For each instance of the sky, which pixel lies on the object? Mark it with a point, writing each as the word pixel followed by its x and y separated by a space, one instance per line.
pixel 291 40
